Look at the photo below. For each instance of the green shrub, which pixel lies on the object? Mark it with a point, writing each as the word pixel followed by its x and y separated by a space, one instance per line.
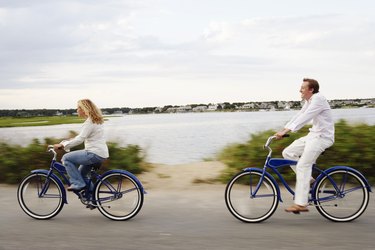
pixel 16 162
pixel 129 158
pixel 354 147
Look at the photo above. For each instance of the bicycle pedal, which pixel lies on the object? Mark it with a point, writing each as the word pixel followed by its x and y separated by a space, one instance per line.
pixel 91 207
pixel 81 196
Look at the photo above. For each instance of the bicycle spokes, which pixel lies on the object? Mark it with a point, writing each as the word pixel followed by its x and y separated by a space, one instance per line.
pixel 40 196
pixel 122 194
pixel 251 197
pixel 341 196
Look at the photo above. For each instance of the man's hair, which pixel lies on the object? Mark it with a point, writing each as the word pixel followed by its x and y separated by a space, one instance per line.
pixel 313 84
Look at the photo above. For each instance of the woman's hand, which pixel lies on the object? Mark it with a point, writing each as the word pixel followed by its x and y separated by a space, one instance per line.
pixel 58 146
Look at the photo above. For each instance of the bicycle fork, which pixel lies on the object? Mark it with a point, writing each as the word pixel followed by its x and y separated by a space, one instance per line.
pixel 253 193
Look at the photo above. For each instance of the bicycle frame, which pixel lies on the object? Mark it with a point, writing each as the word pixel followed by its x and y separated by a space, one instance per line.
pixel 60 169
pixel 276 163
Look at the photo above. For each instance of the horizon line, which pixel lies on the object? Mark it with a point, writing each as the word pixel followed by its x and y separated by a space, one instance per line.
pixel 173 105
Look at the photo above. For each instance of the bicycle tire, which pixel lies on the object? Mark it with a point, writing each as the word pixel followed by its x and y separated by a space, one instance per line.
pixel 242 205
pixel 119 197
pixel 38 203
pixel 346 205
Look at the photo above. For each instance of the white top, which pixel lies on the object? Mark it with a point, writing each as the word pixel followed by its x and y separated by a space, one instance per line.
pixel 93 136
pixel 318 110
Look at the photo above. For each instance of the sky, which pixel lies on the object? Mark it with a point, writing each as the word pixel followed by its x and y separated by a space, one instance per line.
pixel 148 53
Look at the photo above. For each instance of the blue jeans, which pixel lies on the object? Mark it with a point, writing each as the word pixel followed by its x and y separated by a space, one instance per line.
pixel 84 160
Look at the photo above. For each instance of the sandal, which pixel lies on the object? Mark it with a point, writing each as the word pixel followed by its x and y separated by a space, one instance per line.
pixel 296 209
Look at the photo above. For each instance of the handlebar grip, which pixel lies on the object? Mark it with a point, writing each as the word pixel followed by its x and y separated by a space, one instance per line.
pixel 52 147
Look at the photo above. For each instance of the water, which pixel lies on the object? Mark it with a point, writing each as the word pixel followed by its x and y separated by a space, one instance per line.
pixel 182 138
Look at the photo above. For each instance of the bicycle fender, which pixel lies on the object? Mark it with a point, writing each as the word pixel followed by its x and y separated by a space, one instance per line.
pixel 349 169
pixel 57 179
pixel 269 176
pixel 120 171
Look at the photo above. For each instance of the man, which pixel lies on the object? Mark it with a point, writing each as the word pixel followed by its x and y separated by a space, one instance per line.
pixel 307 149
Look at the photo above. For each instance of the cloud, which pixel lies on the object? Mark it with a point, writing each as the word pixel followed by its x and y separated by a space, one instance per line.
pixel 68 44
pixel 314 32
pixel 217 32
pixel 42 34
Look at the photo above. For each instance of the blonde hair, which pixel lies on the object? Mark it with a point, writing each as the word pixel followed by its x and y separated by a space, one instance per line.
pixel 91 110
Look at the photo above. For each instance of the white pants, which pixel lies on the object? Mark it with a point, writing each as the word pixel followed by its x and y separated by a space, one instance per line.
pixel 305 150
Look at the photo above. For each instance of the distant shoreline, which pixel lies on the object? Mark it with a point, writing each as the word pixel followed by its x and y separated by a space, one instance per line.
pixel 11 122
pixel 192 108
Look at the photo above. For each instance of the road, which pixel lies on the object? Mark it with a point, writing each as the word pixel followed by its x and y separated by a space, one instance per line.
pixel 194 218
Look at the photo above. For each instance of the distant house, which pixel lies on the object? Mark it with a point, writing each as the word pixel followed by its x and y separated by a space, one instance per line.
pixel 200 108
pixel 212 107
pixel 248 106
pixel 158 110
pixel 23 114
pixel 184 109
pixel 171 110
pixel 118 112
pixel 348 102
pixel 366 101
pixel 283 105
pixel 265 105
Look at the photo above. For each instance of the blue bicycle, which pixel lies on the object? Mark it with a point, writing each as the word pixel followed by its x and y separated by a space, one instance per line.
pixel 117 194
pixel 339 193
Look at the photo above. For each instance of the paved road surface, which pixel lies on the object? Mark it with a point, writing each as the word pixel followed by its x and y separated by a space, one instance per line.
pixel 191 219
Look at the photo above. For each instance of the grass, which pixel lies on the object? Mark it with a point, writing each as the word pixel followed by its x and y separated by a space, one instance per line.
pixel 7 122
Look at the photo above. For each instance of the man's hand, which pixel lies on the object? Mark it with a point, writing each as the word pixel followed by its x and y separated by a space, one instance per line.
pixel 279 135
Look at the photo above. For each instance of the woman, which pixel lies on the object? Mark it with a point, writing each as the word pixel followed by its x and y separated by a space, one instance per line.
pixel 78 163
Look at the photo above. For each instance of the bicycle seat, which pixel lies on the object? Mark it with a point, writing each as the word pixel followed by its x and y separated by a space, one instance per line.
pixel 96 166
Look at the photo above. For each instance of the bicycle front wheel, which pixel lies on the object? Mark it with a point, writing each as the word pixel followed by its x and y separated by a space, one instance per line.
pixel 341 196
pixel 118 196
pixel 39 196
pixel 248 203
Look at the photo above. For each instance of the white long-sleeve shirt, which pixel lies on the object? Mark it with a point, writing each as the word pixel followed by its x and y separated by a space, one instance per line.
pixel 318 110
pixel 93 136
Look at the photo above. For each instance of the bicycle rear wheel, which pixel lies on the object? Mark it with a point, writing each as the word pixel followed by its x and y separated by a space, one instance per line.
pixel 342 196
pixel 40 197
pixel 246 205
pixel 118 196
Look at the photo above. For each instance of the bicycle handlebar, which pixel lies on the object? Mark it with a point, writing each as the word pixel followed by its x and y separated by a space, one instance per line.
pixel 51 149
pixel 269 141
